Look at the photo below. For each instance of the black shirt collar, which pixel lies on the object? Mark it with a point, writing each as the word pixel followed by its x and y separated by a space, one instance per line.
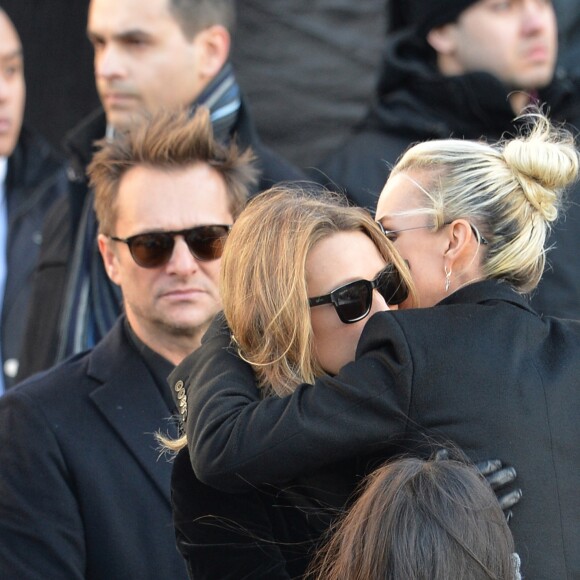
pixel 158 366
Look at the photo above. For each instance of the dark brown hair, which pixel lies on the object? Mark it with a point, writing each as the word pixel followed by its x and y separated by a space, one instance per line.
pixel 195 15
pixel 421 520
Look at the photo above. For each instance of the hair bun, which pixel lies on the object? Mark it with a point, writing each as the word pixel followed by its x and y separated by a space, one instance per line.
pixel 544 162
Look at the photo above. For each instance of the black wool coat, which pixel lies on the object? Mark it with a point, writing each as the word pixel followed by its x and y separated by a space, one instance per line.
pixel 83 490
pixel 35 181
pixel 481 369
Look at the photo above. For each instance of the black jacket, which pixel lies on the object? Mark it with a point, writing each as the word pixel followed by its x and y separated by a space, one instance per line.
pixel 416 103
pixel 42 337
pixel 83 491
pixel 36 179
pixel 481 369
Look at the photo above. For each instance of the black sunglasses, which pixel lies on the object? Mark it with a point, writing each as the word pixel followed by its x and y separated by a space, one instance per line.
pixel 353 301
pixel 154 249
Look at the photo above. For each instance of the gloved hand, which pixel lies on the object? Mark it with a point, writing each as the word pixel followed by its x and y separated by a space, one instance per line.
pixel 498 477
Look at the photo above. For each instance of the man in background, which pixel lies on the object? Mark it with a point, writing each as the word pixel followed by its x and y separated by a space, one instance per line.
pixel 32 177
pixel 83 491
pixel 149 55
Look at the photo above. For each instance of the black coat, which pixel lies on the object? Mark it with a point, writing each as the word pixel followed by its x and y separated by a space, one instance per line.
pixel 481 369
pixel 35 180
pixel 416 103
pixel 83 491
pixel 42 336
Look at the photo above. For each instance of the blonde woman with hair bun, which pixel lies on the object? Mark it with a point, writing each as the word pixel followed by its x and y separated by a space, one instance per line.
pixel 508 195
pixel 474 364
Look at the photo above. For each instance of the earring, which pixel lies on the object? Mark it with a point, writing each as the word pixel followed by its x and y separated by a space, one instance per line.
pixel 447 278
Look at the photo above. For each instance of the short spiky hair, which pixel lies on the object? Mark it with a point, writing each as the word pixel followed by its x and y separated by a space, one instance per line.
pixel 168 141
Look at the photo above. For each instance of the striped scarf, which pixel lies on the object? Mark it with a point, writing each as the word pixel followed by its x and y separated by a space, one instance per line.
pixel 92 302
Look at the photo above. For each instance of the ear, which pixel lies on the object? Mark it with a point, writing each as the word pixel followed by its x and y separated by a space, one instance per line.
pixel 214 42
pixel 442 39
pixel 110 259
pixel 459 243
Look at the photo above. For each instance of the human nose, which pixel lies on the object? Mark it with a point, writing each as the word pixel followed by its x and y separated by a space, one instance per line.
pixel 4 88
pixel 182 261
pixel 379 303
pixel 535 15
pixel 108 62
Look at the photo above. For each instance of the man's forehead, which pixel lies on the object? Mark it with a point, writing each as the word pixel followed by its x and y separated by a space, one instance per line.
pixel 151 191
pixel 123 17
pixel 10 46
pixel 8 54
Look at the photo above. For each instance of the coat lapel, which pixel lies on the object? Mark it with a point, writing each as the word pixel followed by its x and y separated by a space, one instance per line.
pixel 130 402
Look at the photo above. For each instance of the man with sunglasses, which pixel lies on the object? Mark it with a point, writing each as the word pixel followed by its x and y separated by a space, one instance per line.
pixel 83 491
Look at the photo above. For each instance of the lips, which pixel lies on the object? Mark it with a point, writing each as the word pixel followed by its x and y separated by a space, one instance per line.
pixel 537 53
pixel 118 99
pixel 183 293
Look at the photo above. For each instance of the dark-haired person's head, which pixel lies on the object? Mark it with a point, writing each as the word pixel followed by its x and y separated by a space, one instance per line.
pixel 419 519
pixel 514 40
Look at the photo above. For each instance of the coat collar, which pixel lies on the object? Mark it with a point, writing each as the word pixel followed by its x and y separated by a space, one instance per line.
pixel 130 402
pixel 486 291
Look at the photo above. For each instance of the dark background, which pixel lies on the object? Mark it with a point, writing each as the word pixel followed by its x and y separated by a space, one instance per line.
pixel 58 63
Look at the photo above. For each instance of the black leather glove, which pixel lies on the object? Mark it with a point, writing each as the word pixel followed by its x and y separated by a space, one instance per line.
pixel 498 477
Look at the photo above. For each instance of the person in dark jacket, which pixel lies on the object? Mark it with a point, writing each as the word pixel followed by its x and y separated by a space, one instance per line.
pixel 83 490
pixel 148 55
pixel 476 366
pixel 465 69
pixel 32 178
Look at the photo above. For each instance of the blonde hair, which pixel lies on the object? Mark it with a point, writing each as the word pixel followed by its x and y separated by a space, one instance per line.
pixel 168 141
pixel 263 278
pixel 510 191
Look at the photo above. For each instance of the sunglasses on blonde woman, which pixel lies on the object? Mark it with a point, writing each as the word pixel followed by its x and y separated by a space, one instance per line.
pixel 354 300
pixel 154 249
pixel 392 234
